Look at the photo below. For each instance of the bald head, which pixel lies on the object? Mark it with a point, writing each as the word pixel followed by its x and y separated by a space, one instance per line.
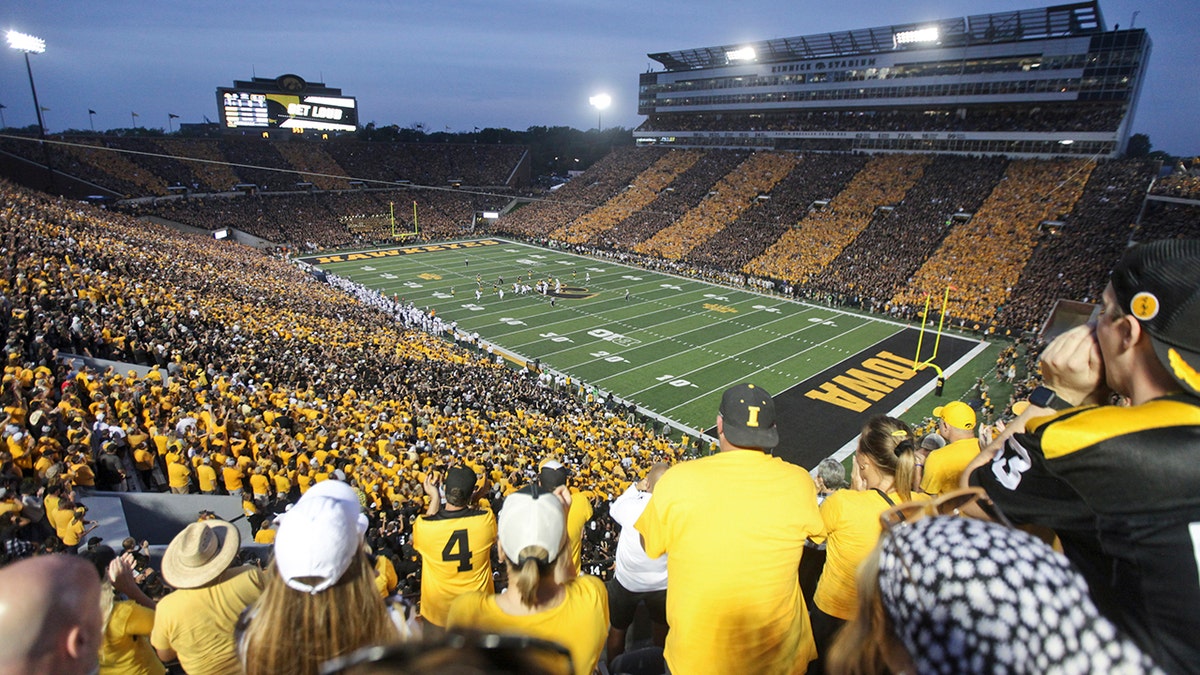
pixel 49 616
pixel 656 471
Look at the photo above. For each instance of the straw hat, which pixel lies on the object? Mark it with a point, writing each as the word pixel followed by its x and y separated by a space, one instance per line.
pixel 200 553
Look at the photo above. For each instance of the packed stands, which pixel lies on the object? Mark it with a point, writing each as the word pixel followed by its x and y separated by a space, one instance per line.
pixel 599 184
pixel 813 178
pixel 886 254
pixel 994 118
pixel 1179 184
pixel 684 193
pixel 153 163
pixel 819 238
pixel 1063 264
pixel 264 370
pixel 982 260
pixel 728 199
pixel 638 195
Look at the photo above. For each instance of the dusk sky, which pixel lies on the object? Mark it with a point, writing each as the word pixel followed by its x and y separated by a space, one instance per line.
pixel 461 64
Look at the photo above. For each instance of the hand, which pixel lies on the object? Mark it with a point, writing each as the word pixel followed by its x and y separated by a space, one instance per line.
pixel 564 495
pixel 431 485
pixel 1073 367
pixel 857 481
pixel 986 434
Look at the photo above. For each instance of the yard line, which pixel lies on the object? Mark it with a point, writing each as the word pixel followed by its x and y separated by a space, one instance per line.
pixel 761 369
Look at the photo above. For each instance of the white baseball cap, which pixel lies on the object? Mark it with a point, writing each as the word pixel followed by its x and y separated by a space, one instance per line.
pixel 528 520
pixel 319 537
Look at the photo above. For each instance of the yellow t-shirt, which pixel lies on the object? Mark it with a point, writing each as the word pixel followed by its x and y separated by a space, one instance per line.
pixel 577 518
pixel 260 485
pixel 68 526
pixel 206 476
pixel 177 475
pixel 455 548
pixel 944 466
pixel 386 578
pixel 126 649
pixel 580 623
pixel 232 477
pixel 852 520
pixel 733 526
pixel 198 622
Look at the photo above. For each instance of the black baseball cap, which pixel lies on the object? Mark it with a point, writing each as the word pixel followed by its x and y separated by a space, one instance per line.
pixel 461 477
pixel 748 417
pixel 552 474
pixel 1159 284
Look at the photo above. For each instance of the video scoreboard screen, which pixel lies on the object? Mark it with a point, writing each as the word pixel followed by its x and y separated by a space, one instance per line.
pixel 241 109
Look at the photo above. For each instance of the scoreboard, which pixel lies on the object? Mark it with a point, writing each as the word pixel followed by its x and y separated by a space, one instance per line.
pixel 276 104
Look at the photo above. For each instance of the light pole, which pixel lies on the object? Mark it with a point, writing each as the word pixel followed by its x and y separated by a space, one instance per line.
pixel 600 101
pixel 28 44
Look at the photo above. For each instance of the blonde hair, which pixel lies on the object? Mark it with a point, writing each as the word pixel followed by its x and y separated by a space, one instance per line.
pixel 528 577
pixel 295 632
pixel 891 446
pixel 106 600
pixel 867 644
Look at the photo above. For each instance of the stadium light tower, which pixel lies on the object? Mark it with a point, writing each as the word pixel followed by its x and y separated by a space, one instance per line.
pixel 29 44
pixel 600 101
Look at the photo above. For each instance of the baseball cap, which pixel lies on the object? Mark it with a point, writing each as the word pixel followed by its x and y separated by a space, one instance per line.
pixel 748 417
pixel 317 540
pixel 552 474
pixel 461 477
pixel 956 414
pixel 1159 284
pixel 1020 407
pixel 531 520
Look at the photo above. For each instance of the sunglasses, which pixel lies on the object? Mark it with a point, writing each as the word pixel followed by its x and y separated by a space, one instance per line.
pixel 949 504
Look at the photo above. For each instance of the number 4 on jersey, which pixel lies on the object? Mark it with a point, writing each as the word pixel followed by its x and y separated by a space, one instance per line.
pixel 458 548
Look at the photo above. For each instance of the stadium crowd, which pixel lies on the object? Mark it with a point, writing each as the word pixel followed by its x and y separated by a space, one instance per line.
pixel 640 193
pixel 887 253
pixel 147 166
pixel 765 222
pixel 268 385
pixel 802 252
pixel 265 402
pixel 672 203
pixel 729 198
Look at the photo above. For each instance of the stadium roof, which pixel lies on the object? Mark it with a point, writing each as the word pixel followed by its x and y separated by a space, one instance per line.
pixel 1081 18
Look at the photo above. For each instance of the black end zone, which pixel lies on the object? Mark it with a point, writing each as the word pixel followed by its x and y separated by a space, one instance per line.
pixel 823 413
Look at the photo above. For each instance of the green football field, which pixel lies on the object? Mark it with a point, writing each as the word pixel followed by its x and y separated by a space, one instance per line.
pixel 672 346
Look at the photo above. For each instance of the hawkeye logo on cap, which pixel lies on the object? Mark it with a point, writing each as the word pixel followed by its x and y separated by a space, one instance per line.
pixel 1144 306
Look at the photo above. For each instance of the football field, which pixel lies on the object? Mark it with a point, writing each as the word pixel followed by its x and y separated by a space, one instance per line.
pixel 669 344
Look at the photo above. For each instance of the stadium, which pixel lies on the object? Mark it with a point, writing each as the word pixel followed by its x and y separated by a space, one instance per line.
pixel 876 222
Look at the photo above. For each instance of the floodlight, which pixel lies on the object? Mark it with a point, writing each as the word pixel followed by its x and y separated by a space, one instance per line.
pixel 25 43
pixel 600 102
pixel 919 35
pixel 743 54
pixel 1066 141
pixel 32 45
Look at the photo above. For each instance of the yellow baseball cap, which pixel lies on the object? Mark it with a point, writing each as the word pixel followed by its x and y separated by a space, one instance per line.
pixel 957 414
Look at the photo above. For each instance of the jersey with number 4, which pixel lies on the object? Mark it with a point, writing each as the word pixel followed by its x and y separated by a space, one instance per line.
pixel 455 548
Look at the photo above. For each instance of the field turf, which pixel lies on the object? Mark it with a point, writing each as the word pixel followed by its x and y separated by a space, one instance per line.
pixel 675 344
